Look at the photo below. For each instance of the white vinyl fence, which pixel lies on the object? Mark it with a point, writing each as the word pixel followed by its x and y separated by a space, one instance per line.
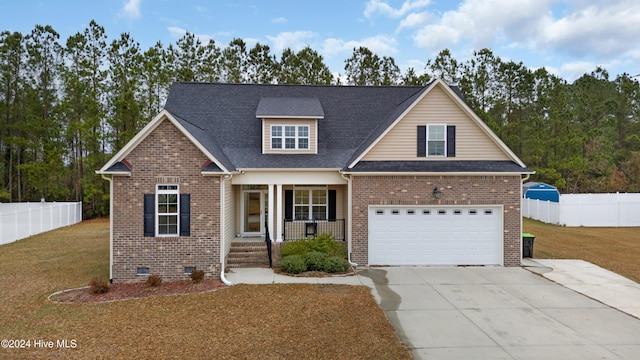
pixel 21 220
pixel 610 210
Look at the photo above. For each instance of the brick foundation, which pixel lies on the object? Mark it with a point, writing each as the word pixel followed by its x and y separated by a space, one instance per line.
pixel 456 190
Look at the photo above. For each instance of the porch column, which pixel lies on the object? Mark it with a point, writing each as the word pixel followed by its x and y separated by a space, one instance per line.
pixel 270 212
pixel 278 216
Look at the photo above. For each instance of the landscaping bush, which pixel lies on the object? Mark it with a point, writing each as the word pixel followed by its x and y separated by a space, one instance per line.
pixel 315 260
pixel 154 281
pixel 335 264
pixel 99 286
pixel 293 264
pixel 197 276
pixel 327 244
pixel 324 243
pixel 294 247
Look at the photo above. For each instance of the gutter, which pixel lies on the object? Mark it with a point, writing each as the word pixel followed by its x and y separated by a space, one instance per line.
pixel 349 218
pixel 222 233
pixel 110 180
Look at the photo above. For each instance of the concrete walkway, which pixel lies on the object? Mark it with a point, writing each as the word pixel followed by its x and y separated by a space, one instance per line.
pixel 489 312
pixel 593 281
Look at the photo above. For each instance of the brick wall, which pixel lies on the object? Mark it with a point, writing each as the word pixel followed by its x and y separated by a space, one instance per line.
pixel 456 190
pixel 165 156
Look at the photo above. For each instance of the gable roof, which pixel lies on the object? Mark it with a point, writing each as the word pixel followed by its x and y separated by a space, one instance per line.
pixel 455 95
pixel 224 122
pixel 227 114
pixel 197 136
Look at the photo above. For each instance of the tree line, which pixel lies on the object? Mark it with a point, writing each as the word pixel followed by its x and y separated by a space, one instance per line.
pixel 65 108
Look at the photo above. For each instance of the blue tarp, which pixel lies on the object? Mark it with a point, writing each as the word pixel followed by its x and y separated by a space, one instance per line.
pixel 540 191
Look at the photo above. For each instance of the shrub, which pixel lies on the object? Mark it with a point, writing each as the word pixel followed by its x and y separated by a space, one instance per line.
pixel 154 281
pixel 99 286
pixel 197 276
pixel 335 264
pixel 327 244
pixel 315 260
pixel 293 264
pixel 324 243
pixel 295 247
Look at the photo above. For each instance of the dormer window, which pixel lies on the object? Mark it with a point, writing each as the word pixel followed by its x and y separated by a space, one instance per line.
pixel 289 137
pixel 289 124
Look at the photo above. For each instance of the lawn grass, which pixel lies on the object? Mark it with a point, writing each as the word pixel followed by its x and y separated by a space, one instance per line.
pixel 243 321
pixel 615 249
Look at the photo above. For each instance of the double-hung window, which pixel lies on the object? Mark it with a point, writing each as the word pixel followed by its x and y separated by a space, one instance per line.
pixel 436 140
pixel 310 204
pixel 167 214
pixel 290 137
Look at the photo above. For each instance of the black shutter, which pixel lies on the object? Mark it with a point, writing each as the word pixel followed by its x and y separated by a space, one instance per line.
pixel 149 214
pixel 451 141
pixel 332 205
pixel 422 141
pixel 288 204
pixel 185 214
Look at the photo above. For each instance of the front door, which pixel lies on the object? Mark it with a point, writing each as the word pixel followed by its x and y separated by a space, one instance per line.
pixel 254 208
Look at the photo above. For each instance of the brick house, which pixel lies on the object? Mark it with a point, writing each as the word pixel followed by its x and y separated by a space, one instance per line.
pixel 403 175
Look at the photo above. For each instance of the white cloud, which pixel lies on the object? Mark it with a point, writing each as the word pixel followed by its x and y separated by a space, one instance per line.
pixel 607 31
pixel 280 20
pixel 572 70
pixel 131 9
pixel 382 45
pixel 414 20
pixel 591 30
pixel 296 40
pixel 178 32
pixel 480 23
pixel 380 6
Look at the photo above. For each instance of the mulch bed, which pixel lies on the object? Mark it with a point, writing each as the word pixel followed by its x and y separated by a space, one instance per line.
pixel 135 291
pixel 141 290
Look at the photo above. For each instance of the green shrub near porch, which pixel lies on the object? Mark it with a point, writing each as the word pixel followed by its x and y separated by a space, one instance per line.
pixel 322 253
pixel 324 243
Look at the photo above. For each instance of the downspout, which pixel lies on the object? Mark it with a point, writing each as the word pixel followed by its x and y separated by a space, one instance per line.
pixel 110 180
pixel 349 218
pixel 521 184
pixel 223 232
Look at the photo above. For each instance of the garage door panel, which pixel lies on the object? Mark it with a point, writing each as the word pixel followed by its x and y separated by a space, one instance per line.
pixel 435 236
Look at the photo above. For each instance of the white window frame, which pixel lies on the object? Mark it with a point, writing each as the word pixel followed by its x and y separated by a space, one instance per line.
pixel 167 189
pixel 431 133
pixel 296 137
pixel 310 204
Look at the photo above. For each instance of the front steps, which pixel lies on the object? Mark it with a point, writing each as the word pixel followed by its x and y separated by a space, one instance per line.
pixel 247 254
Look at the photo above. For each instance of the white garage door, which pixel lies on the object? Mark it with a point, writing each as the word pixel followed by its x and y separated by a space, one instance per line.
pixel 435 235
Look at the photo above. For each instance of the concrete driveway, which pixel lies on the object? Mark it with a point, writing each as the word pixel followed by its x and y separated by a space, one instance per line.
pixel 499 313
pixel 486 313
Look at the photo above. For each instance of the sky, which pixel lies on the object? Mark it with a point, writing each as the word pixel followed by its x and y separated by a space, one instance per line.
pixel 567 37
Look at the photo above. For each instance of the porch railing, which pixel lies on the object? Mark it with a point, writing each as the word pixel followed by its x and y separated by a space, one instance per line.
pixel 302 229
pixel 267 239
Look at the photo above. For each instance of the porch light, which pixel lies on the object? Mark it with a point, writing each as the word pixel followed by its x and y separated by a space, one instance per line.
pixel 437 193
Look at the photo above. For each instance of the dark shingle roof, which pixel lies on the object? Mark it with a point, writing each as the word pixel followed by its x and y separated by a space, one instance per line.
pixel 119 167
pixel 289 107
pixel 222 117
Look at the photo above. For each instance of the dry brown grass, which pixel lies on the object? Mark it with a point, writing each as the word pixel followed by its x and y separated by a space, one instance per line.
pixel 242 321
pixel 616 249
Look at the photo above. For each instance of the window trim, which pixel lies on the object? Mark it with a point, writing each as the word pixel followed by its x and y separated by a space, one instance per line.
pixel 296 137
pixel 174 190
pixel 310 204
pixel 443 141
